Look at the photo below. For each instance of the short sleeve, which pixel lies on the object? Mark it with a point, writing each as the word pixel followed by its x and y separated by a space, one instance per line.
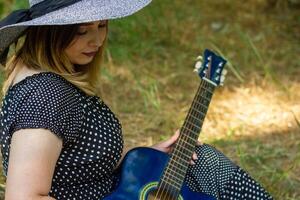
pixel 50 104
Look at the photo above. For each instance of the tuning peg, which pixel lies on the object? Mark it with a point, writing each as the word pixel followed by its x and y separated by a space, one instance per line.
pixel 222 78
pixel 224 72
pixel 199 58
pixel 198 65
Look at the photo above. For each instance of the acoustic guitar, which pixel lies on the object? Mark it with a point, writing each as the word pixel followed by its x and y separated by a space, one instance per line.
pixel 149 174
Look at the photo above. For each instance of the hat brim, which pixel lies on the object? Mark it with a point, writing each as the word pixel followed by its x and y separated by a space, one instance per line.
pixel 80 12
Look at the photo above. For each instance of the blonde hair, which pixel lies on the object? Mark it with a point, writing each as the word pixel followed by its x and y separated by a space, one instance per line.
pixel 43 50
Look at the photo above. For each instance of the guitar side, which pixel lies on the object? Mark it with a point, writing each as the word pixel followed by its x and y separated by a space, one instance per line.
pixel 140 172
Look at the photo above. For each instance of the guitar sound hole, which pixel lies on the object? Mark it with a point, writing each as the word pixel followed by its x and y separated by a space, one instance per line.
pixel 161 195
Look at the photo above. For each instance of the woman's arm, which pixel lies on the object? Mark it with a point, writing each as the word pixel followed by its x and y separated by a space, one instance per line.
pixel 32 159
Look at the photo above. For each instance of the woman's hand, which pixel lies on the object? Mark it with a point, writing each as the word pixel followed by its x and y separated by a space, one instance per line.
pixel 168 145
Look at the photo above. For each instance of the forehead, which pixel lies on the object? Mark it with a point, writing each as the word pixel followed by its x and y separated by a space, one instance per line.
pixel 92 23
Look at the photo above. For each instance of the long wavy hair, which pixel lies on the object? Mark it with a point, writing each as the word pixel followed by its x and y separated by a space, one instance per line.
pixel 42 49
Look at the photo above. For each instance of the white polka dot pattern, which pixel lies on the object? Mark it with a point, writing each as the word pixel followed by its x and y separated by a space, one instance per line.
pixel 91 133
pixel 216 175
pixel 242 186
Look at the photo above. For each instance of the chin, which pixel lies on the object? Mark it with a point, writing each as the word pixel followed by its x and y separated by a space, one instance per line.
pixel 83 62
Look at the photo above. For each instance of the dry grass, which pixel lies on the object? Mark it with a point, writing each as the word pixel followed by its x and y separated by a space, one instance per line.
pixel 148 81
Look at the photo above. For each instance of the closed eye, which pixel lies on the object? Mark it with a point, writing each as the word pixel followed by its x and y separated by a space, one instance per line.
pixel 100 26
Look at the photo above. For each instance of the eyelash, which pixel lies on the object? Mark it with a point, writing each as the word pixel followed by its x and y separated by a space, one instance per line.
pixel 100 26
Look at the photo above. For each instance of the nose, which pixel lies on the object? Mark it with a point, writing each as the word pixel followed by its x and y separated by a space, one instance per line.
pixel 97 39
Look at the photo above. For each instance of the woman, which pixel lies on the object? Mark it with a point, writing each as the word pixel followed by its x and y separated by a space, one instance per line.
pixel 60 138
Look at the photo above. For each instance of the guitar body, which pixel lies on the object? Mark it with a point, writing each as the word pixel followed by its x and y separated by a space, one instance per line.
pixel 140 173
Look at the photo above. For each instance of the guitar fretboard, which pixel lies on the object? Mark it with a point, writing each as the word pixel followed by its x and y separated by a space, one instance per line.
pixel 175 171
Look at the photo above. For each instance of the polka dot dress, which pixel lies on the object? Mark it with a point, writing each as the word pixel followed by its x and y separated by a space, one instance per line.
pixel 216 175
pixel 91 134
pixel 93 143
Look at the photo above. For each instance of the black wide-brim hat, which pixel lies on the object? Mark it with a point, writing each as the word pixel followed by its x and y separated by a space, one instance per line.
pixel 60 12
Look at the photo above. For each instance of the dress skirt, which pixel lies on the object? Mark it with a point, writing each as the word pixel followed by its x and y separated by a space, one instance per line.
pixel 216 175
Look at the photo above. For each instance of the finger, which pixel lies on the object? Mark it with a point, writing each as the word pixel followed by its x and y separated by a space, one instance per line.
pixel 175 136
pixel 195 157
pixel 192 162
pixel 172 140
pixel 177 132
pixel 199 143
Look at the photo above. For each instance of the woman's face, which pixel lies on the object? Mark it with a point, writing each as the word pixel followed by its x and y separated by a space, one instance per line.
pixel 86 44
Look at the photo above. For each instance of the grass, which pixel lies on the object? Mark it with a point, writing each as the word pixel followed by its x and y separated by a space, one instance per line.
pixel 254 119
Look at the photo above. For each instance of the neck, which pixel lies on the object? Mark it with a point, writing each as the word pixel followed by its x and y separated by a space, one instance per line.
pixel 176 168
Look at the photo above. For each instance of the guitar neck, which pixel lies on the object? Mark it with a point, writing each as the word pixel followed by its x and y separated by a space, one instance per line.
pixel 177 166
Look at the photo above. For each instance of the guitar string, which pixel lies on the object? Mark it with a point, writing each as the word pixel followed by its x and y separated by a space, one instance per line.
pixel 199 115
pixel 162 188
pixel 200 88
pixel 191 110
pixel 185 137
pixel 174 155
pixel 190 130
pixel 200 105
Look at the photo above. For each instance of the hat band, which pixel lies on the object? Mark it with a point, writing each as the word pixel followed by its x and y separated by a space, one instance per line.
pixel 35 11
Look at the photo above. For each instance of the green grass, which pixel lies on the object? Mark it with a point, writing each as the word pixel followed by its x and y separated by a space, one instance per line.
pixel 148 80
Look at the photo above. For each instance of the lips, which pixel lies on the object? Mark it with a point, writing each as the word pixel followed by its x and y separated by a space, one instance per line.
pixel 90 54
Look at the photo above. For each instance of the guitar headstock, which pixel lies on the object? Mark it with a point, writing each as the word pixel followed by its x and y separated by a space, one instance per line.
pixel 210 67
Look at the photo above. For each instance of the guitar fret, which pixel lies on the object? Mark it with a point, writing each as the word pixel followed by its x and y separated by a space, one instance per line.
pixel 204 97
pixel 185 143
pixel 201 106
pixel 186 161
pixel 190 130
pixel 180 154
pixel 170 167
pixel 207 95
pixel 198 119
pixel 177 163
pixel 170 173
pixel 193 125
pixel 172 182
pixel 207 90
pixel 188 140
pixel 196 111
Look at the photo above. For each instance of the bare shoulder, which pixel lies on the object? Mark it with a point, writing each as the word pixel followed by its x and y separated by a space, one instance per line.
pixel 24 72
pixel 33 142
pixel 37 136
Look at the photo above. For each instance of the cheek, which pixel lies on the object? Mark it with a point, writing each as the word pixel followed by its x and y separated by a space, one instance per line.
pixel 74 50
